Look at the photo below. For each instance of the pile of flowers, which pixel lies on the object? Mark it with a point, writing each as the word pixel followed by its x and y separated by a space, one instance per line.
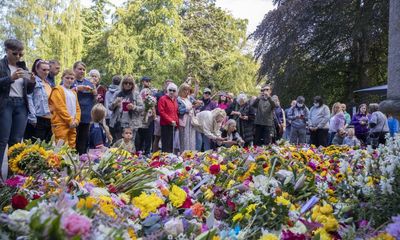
pixel 275 192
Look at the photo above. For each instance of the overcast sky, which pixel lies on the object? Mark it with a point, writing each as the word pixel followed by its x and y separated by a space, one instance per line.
pixel 253 10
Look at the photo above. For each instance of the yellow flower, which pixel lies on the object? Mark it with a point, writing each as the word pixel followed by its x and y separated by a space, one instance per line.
pixel 323 234
pixel 331 224
pixel 237 218
pixel 230 184
pixel 208 194
pixel 269 236
pixel 177 196
pixel 383 236
pixel 216 238
pixel 223 167
pixel 107 209
pixel 251 208
pixel 282 201
pixel 132 234
pixel 147 203
pixel 326 209
pixel 125 197
pixel 262 157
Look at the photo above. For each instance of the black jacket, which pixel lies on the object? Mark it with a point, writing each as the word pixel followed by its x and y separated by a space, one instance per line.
pixel 5 84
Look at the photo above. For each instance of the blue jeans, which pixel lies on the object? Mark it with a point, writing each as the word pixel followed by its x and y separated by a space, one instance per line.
pixel 13 120
pixel 200 140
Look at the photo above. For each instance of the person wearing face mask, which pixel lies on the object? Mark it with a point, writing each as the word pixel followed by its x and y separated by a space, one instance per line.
pixel 169 119
pixel 39 124
pixel 319 122
pixel 298 115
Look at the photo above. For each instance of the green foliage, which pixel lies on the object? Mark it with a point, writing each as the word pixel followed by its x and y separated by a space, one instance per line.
pixel 159 38
pixel 327 48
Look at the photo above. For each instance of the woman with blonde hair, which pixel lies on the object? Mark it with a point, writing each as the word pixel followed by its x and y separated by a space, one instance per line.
pixel 209 123
pixel 336 122
pixel 186 105
pixel 126 108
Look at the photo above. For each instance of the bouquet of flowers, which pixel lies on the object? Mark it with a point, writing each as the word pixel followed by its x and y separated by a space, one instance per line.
pixel 149 103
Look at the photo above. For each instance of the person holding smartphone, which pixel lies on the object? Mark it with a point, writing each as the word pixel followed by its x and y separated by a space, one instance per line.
pixel 16 82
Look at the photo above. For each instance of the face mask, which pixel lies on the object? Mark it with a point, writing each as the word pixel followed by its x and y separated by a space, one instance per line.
pixel 316 104
pixel 300 105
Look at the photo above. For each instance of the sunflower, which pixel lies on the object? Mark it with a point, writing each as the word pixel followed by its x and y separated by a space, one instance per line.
pixel 22 163
pixel 262 157
pixel 15 150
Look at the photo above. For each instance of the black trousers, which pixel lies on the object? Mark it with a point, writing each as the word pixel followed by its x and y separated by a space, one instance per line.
pixel 41 131
pixel 319 137
pixel 167 139
pixel 82 137
pixel 263 135
pixel 143 140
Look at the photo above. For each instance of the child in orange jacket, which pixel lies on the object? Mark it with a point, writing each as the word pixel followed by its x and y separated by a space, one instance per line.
pixel 65 110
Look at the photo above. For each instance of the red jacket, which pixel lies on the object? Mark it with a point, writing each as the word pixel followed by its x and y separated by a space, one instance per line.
pixel 168 110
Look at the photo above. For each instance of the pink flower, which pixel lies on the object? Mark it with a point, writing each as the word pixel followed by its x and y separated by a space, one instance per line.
pixel 76 225
pixel 16 181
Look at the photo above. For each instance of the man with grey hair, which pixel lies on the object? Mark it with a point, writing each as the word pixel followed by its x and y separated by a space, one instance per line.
pixel 298 115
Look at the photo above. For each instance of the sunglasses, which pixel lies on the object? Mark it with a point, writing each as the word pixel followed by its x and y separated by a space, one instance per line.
pixel 171 90
pixel 17 54
pixel 207 93
pixel 128 83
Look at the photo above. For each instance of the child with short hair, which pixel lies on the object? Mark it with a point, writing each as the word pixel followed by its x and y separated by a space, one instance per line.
pixel 351 140
pixel 126 142
pixel 98 132
pixel 65 110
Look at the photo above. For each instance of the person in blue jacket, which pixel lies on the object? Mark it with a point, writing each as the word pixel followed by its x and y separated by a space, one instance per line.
pixel 393 125
pixel 86 97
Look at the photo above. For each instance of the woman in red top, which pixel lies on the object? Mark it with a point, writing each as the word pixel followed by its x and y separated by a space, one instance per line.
pixel 168 110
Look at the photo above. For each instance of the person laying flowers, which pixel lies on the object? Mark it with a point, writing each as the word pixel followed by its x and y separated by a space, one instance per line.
pixel 231 135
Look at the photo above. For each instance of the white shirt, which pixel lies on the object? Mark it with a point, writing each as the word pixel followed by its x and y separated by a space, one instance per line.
pixel 70 100
pixel 17 87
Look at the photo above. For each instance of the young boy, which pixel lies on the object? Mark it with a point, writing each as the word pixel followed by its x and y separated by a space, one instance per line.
pixel 126 142
pixel 97 131
pixel 351 140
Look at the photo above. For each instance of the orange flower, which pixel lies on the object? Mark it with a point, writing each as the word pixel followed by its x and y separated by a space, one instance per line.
pixel 198 209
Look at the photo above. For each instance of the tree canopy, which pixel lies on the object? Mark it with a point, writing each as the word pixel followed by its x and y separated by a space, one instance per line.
pixel 159 38
pixel 328 48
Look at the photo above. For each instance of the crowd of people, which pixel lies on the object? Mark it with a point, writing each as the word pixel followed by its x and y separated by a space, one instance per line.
pixel 84 114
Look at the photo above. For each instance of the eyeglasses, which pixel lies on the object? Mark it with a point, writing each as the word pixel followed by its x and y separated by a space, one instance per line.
pixel 207 93
pixel 171 90
pixel 128 83
pixel 17 54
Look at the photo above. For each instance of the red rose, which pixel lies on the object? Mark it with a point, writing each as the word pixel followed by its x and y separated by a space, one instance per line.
pixel 112 188
pixel 188 168
pixel 231 205
pixel 19 201
pixel 36 196
pixel 187 203
pixel 215 169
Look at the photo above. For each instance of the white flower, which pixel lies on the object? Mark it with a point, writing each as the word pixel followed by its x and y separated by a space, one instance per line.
pixel 174 227
pixel 98 192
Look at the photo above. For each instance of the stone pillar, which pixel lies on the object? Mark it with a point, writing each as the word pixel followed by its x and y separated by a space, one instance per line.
pixel 392 104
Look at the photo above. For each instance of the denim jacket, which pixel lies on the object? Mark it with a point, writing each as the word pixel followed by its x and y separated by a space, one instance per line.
pixel 38 102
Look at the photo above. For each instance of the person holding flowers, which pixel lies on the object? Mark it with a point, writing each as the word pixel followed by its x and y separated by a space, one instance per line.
pixel 65 110
pixel 231 135
pixel 145 133
pixel 209 123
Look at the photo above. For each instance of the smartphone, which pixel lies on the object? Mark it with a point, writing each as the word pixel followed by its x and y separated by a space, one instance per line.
pixel 21 64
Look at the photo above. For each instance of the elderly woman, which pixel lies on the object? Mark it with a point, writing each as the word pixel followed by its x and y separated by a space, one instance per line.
pixel 209 123
pixel 169 120
pixel 378 125
pixel 95 80
pixel 126 108
pixel 244 114
pixel 231 135
pixel 186 104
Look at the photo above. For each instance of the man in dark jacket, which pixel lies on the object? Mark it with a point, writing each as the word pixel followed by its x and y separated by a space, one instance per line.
pixel 16 82
pixel 264 121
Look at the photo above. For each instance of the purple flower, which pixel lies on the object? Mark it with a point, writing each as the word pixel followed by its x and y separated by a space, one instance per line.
pixel 394 228
pixel 16 181
pixel 163 211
